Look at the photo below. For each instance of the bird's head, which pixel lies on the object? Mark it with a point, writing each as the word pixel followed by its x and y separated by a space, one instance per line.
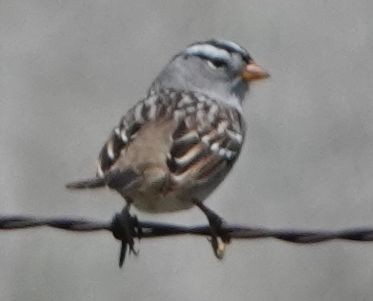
pixel 217 68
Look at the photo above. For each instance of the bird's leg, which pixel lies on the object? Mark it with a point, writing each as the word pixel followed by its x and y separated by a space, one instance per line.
pixel 125 227
pixel 219 236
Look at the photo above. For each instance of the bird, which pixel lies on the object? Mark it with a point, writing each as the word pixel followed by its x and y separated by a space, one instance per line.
pixel 177 144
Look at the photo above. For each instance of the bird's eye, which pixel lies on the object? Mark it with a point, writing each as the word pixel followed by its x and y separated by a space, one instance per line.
pixel 215 64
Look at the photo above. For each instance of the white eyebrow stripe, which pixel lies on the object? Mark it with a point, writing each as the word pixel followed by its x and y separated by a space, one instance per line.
pixel 209 51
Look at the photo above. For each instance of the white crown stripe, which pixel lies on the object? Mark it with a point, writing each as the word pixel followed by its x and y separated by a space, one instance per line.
pixel 208 51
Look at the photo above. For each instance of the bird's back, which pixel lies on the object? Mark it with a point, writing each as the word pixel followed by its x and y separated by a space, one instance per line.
pixel 182 144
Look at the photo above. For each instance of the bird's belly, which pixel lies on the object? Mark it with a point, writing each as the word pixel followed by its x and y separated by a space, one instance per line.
pixel 160 203
pixel 159 197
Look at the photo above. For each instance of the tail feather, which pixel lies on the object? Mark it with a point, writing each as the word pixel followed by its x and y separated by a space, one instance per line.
pixel 114 179
pixel 87 183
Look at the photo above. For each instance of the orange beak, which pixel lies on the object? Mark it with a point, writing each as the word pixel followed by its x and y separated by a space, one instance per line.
pixel 252 72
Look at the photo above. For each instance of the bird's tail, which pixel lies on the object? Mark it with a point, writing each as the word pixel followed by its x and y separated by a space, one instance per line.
pixel 114 179
pixel 87 183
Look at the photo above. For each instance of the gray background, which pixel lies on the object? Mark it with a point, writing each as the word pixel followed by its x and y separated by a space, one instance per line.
pixel 70 69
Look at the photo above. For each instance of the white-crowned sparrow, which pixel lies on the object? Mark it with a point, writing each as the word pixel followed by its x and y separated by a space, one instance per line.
pixel 175 146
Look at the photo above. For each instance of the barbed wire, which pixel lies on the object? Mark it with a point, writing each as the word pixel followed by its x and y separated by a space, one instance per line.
pixel 145 229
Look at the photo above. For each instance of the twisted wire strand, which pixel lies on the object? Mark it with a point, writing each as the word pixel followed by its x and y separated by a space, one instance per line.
pixel 153 230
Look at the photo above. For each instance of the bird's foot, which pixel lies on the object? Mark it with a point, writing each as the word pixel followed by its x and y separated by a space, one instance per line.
pixel 220 237
pixel 125 227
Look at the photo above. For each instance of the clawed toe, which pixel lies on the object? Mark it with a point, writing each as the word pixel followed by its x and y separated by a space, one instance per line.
pixel 219 235
pixel 218 246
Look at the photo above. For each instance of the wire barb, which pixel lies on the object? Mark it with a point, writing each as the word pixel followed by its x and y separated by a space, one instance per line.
pixel 125 227
pixel 133 228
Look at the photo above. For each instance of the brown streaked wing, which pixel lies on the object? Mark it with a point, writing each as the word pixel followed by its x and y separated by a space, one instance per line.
pixel 144 111
pixel 206 142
